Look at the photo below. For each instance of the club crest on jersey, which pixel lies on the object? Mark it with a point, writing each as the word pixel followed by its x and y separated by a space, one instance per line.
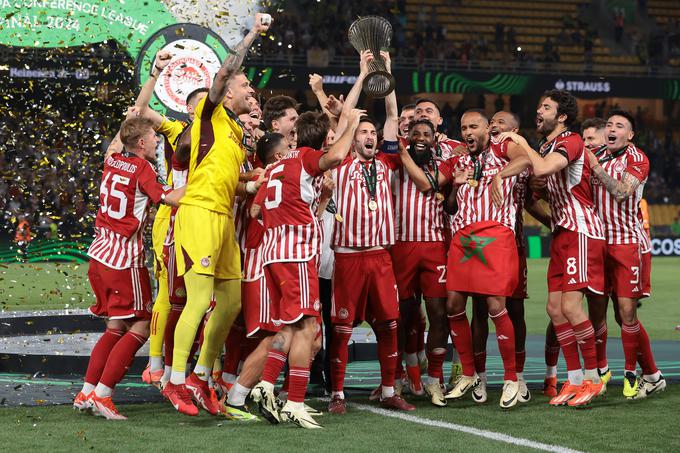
pixel 205 261
pixel 317 305
pixel 619 167
pixel 343 313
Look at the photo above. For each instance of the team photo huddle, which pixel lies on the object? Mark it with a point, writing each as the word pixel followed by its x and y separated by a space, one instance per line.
pixel 278 232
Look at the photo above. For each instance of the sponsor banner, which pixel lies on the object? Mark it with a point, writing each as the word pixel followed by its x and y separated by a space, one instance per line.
pixel 414 82
pixel 666 246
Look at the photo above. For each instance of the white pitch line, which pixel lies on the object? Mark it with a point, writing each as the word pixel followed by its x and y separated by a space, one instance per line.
pixel 499 437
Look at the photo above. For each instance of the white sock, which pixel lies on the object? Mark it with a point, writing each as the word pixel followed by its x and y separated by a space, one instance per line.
pixel 103 391
pixel 387 392
pixel 652 377
pixel 455 358
pixel 422 356
pixel 228 377
pixel 283 395
pixel 575 377
pixel 592 375
pixel 340 395
pixel 203 372
pixel 603 370
pixel 482 376
pixel 156 363
pixel 295 406
pixel 177 377
pixel 520 376
pixel 551 371
pixel 238 395
pixel 411 359
pixel 166 373
pixel 87 388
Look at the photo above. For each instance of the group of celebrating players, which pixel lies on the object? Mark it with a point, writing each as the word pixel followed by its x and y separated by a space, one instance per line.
pixel 272 221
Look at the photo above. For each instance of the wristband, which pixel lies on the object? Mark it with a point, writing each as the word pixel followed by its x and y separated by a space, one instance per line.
pixel 251 188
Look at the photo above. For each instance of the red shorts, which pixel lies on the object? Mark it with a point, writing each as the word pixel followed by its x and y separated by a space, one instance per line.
pixel 293 290
pixel 120 293
pixel 257 307
pixel 646 274
pixel 420 267
pixel 521 288
pixel 177 291
pixel 623 268
pixel 483 260
pixel 576 263
pixel 364 288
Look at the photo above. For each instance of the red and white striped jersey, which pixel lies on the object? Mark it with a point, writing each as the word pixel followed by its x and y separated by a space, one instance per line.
pixel 289 202
pixel 645 240
pixel 419 216
pixel 241 212
pixel 253 264
pixel 622 219
pixel 180 174
pixel 129 186
pixel 475 203
pixel 569 192
pixel 520 195
pixel 361 226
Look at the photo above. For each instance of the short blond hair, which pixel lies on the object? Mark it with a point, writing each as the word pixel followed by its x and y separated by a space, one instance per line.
pixel 133 129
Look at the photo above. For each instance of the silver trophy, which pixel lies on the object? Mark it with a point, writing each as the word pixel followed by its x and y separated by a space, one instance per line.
pixel 373 33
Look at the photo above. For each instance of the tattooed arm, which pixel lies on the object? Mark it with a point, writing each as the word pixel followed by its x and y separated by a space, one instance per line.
pixel 233 62
pixel 620 189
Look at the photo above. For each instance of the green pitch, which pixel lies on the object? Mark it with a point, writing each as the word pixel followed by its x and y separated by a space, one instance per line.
pixel 49 286
pixel 611 424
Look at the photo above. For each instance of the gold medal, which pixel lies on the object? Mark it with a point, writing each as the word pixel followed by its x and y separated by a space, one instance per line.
pixel 338 217
pixel 372 205
pixel 439 196
pixel 473 183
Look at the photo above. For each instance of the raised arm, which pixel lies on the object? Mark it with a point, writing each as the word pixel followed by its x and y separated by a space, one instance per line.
pixel 353 96
pixel 144 97
pixel 316 84
pixel 542 166
pixel 339 150
pixel 620 189
pixel 391 127
pixel 234 60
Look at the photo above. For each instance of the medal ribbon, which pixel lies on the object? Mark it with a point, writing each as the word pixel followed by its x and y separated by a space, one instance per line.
pixel 371 178
pixel 433 179
pixel 613 155
pixel 478 162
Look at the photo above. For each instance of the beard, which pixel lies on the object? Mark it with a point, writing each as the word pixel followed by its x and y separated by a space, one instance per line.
pixel 420 157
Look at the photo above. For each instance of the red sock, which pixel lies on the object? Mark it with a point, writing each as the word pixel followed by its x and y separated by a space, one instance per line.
pixel 647 362
pixel 339 355
pixel 552 354
pixel 100 353
pixel 299 377
pixel 232 345
pixel 601 346
pixel 567 339
pixel 480 362
pixel 273 366
pixel 585 337
pixel 520 358
pixel 460 330
pixel 121 357
pixel 386 335
pixel 435 364
pixel 630 337
pixel 505 335
pixel 286 382
pixel 169 337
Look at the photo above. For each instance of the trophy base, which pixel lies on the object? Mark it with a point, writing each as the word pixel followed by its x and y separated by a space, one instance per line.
pixel 378 84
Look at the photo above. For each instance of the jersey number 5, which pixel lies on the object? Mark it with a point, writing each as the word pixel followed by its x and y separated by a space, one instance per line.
pixel 114 193
pixel 277 185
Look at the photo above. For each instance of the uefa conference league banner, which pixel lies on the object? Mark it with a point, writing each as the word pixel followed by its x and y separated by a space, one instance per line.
pixel 141 27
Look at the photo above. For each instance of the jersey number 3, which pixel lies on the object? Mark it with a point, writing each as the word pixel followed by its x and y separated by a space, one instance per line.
pixel 113 193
